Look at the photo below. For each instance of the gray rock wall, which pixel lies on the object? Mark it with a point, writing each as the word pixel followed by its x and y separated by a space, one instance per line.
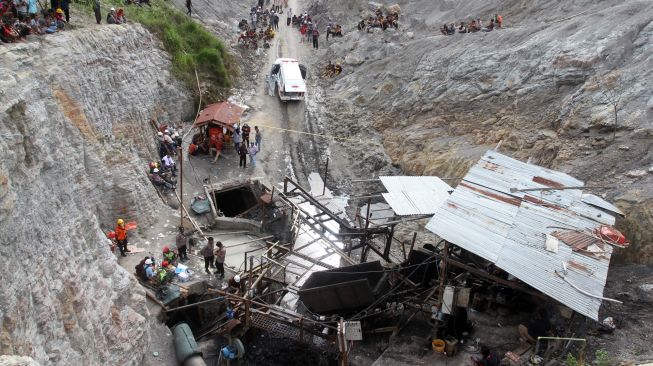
pixel 74 121
pixel 438 102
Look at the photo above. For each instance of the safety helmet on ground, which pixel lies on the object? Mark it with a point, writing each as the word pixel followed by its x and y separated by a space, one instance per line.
pixel 120 221
pixel 166 249
pixel 148 261
pixel 155 170
pixel 237 278
pixel 164 264
pixel 160 133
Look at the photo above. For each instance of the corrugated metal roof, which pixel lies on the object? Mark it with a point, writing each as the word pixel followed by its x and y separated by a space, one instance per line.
pixel 488 215
pixel 226 114
pixel 415 195
pixel 601 203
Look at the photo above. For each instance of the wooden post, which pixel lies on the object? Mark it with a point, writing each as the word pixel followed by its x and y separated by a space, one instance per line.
pixel 301 329
pixel 326 171
pixel 365 248
pixel 412 244
pixel 443 273
pixel 388 244
pixel 342 344
pixel 181 186
pixel 248 315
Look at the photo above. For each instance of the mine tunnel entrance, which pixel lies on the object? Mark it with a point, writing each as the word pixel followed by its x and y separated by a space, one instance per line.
pixel 234 201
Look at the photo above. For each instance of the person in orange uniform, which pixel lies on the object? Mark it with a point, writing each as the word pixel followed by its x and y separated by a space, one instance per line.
pixel 121 237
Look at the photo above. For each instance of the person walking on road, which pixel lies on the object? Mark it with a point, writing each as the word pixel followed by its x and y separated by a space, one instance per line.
pixel 252 151
pixel 207 253
pixel 189 5
pixel 242 152
pixel 220 255
pixel 257 138
pixel 289 17
pixel 316 35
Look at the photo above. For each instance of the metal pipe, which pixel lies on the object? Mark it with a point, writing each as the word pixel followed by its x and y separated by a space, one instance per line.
pixel 249 241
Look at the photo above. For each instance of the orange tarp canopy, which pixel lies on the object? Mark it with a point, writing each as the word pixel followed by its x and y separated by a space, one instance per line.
pixel 225 114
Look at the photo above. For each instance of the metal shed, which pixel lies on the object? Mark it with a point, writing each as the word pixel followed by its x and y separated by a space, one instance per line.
pixel 517 215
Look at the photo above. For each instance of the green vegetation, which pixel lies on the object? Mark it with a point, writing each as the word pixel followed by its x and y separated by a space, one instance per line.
pixel 191 46
pixel 601 358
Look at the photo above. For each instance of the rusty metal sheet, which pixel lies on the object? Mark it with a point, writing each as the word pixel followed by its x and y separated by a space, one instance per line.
pixel 225 114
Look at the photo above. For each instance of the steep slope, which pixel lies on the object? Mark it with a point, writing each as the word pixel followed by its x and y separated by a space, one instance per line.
pixel 438 101
pixel 74 116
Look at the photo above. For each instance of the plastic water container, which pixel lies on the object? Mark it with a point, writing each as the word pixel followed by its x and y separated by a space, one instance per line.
pixel 438 345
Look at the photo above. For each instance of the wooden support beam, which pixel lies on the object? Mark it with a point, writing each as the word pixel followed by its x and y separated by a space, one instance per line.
pixel 499 280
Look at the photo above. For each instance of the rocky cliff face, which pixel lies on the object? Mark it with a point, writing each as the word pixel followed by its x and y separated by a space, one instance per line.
pixel 74 120
pixel 538 85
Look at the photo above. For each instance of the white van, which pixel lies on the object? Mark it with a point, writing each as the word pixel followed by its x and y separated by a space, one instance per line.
pixel 287 79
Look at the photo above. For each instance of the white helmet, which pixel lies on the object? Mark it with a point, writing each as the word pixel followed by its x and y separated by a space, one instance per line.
pixel 155 170
pixel 237 278
pixel 148 261
pixel 160 133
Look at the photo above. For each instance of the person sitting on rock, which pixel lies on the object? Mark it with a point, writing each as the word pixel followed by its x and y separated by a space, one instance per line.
pixel 59 19
pixel 243 25
pixel 490 27
pixel 120 17
pixel 168 165
pixel 35 24
pixel 444 30
pixel 361 25
pixel 462 28
pixel 159 182
pixel 337 32
pixel 338 68
pixel 111 19
pixel 473 27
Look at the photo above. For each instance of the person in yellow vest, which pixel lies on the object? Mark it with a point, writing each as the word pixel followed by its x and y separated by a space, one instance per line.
pixel 121 237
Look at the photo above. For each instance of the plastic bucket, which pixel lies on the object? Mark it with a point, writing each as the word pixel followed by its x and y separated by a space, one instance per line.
pixel 438 345
pixel 451 344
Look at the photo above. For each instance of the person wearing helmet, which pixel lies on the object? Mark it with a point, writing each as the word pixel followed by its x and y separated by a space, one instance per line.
pixel 121 237
pixel 234 284
pixel 207 253
pixel 149 269
pixel 169 255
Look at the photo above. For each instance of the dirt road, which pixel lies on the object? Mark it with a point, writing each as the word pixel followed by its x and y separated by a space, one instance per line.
pixel 283 153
